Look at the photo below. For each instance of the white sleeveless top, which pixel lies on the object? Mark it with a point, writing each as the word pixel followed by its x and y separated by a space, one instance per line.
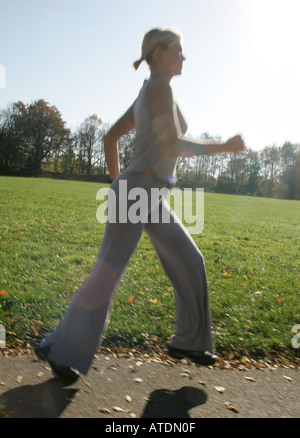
pixel 148 152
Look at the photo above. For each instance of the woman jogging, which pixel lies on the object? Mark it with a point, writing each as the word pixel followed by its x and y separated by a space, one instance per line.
pixel 160 129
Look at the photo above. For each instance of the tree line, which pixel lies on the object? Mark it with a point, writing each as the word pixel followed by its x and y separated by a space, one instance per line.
pixel 35 141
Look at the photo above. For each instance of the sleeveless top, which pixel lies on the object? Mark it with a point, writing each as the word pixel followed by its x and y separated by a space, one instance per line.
pixel 149 153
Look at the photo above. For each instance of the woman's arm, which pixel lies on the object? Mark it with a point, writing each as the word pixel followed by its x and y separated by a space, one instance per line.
pixel 181 119
pixel 169 125
pixel 190 148
pixel 110 140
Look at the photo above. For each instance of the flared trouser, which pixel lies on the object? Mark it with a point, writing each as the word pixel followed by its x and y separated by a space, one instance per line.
pixel 82 327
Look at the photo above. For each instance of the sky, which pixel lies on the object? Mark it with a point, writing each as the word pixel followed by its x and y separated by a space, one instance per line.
pixel 241 74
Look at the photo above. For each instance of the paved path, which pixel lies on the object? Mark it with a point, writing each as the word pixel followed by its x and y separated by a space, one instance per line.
pixel 129 388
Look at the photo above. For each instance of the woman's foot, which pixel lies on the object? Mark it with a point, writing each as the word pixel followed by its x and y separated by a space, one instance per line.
pixel 66 374
pixel 199 357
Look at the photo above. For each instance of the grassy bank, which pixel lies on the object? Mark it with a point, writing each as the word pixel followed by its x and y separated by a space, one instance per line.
pixel 50 238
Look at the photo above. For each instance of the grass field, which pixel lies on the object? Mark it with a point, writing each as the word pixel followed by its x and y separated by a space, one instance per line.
pixel 50 238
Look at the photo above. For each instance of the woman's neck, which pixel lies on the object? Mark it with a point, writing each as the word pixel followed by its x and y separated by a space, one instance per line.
pixel 157 71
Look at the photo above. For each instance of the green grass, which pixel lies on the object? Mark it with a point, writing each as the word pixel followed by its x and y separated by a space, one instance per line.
pixel 50 238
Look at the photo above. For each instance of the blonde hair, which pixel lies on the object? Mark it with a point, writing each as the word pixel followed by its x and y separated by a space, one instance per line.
pixel 157 37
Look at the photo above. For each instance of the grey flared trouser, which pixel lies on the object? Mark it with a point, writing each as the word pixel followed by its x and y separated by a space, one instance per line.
pixel 81 329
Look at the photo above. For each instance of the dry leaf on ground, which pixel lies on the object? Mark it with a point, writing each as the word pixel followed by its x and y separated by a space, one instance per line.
pixel 104 411
pixel 231 407
pixel 251 379
pixel 118 409
pixel 220 388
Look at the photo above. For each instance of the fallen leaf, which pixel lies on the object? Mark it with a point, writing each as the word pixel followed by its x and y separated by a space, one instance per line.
pixel 132 415
pixel 104 410
pixel 220 388
pixel 131 299
pixel 288 378
pixel 277 300
pixel 3 292
pixel 184 374
pixel 138 380
pixel 250 379
pixel 187 373
pixel 128 398
pixel 34 331
pixel 19 379
pixel 85 382
pixel 113 365
pixel 40 374
pixel 118 409
pixel 231 407
pixel 242 368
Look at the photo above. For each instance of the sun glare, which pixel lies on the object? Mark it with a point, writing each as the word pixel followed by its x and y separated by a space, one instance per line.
pixel 274 32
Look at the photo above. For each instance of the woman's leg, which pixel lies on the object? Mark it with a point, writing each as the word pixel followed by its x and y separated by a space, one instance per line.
pixel 184 265
pixel 75 341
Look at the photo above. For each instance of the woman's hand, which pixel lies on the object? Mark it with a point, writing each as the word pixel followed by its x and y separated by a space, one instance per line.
pixel 234 144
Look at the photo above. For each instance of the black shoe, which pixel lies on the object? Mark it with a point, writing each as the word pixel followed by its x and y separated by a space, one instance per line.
pixel 66 374
pixel 198 357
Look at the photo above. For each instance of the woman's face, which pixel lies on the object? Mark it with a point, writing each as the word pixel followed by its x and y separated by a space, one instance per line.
pixel 172 59
pixel 169 60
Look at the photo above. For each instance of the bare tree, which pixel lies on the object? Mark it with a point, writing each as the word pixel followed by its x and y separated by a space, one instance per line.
pixel 88 140
pixel 126 149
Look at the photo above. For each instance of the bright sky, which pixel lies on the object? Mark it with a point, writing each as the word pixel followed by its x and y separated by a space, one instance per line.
pixel 241 74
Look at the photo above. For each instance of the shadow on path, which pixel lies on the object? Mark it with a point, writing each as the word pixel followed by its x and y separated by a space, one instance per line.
pixel 164 403
pixel 46 400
